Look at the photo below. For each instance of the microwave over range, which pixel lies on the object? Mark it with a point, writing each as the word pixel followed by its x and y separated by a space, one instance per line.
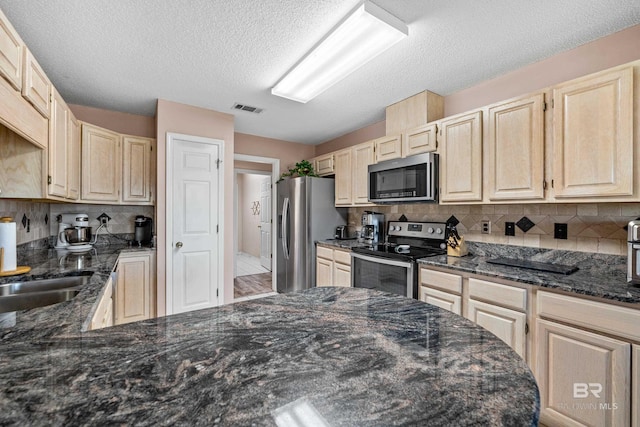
pixel 412 179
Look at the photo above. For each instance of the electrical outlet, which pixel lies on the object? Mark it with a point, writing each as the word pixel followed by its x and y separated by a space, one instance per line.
pixel 560 231
pixel 509 228
pixel 104 218
pixel 485 227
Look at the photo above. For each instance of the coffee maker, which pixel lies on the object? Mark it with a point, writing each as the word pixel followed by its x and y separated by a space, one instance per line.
pixel 143 233
pixel 373 228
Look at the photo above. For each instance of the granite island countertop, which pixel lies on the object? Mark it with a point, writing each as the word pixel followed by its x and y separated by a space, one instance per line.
pixel 348 356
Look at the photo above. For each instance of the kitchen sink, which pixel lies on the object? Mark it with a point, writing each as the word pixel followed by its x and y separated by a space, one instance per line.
pixel 39 293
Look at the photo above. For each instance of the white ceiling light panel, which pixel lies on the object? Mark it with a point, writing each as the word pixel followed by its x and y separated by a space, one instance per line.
pixel 365 33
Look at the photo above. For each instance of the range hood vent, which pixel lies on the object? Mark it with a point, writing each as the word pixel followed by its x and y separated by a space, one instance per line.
pixel 247 108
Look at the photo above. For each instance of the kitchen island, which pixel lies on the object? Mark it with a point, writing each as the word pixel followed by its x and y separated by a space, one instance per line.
pixel 342 356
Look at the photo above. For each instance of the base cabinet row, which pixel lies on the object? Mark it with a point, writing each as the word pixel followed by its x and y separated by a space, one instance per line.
pixel 585 354
pixel 131 297
pixel 333 267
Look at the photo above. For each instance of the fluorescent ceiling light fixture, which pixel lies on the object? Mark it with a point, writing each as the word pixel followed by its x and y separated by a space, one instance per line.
pixel 361 36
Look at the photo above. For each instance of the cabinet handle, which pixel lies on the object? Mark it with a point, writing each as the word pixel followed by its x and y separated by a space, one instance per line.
pixel 179 245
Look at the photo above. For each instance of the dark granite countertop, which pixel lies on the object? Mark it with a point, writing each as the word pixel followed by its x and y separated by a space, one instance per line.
pixel 343 244
pixel 351 357
pixel 73 315
pixel 598 275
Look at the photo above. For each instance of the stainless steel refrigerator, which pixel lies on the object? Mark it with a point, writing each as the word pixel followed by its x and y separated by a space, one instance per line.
pixel 306 213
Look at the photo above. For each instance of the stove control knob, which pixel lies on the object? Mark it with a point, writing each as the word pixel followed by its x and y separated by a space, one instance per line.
pixel 438 230
pixel 398 228
pixel 430 230
pixel 392 228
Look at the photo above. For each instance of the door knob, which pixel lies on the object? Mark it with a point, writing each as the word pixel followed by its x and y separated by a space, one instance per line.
pixel 179 245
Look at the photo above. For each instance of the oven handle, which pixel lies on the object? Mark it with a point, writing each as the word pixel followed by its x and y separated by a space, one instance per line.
pixel 380 260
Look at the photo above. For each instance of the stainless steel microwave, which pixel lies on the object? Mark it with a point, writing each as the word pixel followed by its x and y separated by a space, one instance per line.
pixel 412 179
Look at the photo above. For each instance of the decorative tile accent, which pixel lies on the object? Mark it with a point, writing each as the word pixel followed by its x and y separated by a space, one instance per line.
pixel 525 224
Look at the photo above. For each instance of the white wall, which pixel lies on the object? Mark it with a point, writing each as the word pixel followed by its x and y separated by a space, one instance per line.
pixel 248 231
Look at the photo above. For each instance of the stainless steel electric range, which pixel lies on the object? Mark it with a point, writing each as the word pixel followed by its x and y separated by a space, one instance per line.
pixel 392 266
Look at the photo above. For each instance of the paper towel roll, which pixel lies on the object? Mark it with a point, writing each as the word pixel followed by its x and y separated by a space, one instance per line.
pixel 8 243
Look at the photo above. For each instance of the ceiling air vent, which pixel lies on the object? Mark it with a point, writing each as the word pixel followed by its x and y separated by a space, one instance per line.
pixel 247 108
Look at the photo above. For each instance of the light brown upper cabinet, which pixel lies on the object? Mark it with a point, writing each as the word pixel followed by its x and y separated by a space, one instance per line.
pixel 73 159
pixel 421 139
pixel 461 158
pixel 101 164
pixel 137 169
pixel 387 148
pixel 363 156
pixel 11 47
pixel 593 147
pixel 514 163
pixel 58 147
pixel 324 165
pixel 417 110
pixel 36 87
pixel 343 176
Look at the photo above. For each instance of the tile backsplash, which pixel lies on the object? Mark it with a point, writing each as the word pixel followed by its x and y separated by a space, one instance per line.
pixel 43 222
pixel 591 227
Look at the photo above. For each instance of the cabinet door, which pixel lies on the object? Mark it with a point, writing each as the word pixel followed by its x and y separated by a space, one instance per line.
pixel 136 179
pixel 133 293
pixel 36 87
pixel 324 272
pixel 343 175
pixel 441 299
pixel 103 316
pixel 58 146
pixel 583 377
pixel 363 156
pixel 420 140
pixel 461 158
pixel 515 150
pixel 508 325
pixel 635 385
pixel 341 268
pixel 73 159
pixel 593 136
pixel 324 165
pixel 10 53
pixel 101 164
pixel 388 147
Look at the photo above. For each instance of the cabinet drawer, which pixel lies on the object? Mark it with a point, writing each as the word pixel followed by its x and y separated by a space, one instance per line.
pixel 343 257
pixel 322 252
pixel 445 281
pixel 507 296
pixel 441 299
pixel 598 316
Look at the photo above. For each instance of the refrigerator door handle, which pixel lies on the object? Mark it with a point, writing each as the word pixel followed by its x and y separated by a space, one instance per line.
pixel 285 228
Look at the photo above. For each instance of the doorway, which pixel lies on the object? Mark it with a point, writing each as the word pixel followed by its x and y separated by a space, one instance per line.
pixel 194 226
pixel 254 179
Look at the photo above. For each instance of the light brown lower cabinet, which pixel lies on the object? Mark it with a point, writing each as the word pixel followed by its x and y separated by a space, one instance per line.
pixel 508 325
pixel 441 299
pixel 333 267
pixel 583 377
pixel 135 291
pixel 103 316
pixel 635 386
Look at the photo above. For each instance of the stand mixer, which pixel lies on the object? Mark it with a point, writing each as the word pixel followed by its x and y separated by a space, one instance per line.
pixel 74 233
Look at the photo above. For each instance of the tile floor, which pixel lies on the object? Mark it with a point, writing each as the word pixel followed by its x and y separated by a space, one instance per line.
pixel 247 265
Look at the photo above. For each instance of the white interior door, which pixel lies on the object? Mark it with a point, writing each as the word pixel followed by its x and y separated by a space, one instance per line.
pixel 196 210
pixel 265 223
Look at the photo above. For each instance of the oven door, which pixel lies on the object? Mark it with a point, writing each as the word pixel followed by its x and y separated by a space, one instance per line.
pixel 384 274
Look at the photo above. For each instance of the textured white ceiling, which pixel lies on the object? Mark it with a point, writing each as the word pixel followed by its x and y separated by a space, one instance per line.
pixel 122 55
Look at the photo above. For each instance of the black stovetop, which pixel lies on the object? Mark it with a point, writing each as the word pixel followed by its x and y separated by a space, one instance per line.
pixel 391 250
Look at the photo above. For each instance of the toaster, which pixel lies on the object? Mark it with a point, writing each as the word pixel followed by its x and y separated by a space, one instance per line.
pixel 344 232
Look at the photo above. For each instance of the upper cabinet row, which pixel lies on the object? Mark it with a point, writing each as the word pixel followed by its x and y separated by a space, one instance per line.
pixel 573 142
pixel 78 162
